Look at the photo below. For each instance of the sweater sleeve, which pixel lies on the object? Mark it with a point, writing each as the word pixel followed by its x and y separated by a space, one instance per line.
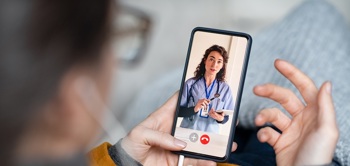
pixel 108 155
pixel 186 112
pixel 120 157
pixel 100 155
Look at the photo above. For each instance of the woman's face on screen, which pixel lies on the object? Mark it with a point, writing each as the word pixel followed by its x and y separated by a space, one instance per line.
pixel 213 63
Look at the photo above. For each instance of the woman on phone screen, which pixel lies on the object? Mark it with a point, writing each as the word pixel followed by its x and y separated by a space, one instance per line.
pixel 206 94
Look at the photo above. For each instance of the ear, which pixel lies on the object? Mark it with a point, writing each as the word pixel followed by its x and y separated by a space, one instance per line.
pixel 66 113
pixel 68 100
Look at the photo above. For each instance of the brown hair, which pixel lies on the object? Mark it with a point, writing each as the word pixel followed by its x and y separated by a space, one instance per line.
pixel 200 70
pixel 40 41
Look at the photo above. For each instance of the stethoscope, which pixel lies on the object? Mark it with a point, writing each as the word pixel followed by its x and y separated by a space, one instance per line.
pixel 217 94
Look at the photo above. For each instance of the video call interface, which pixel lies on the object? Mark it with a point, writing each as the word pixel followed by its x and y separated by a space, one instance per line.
pixel 207 102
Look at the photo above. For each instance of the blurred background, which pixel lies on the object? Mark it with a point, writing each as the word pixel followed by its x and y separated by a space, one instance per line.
pixel 172 22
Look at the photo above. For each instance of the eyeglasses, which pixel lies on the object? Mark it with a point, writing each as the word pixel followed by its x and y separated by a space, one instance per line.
pixel 131 30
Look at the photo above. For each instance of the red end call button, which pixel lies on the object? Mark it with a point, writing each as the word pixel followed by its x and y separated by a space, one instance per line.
pixel 204 139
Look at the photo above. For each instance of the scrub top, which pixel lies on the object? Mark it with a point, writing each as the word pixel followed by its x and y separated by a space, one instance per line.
pixel 197 121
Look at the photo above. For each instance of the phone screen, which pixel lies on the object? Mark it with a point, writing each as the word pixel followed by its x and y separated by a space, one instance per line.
pixel 210 92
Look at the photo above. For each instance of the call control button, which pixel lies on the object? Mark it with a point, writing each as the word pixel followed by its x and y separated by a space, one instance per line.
pixel 205 139
pixel 193 137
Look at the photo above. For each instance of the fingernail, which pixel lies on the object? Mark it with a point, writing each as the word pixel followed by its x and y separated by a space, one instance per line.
pixel 261 136
pixel 259 118
pixel 258 87
pixel 180 143
pixel 329 87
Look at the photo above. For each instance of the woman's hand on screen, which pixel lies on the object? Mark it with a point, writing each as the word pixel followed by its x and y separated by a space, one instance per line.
pixel 310 136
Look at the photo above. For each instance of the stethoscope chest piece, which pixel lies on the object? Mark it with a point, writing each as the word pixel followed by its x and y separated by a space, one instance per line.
pixel 217 95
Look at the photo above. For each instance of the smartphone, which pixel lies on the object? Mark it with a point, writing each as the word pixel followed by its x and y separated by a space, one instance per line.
pixel 210 92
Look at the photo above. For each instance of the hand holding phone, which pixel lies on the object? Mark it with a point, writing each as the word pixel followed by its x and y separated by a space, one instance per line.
pixel 213 80
pixel 150 142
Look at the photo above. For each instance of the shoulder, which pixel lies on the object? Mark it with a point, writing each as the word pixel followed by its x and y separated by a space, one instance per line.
pixel 224 84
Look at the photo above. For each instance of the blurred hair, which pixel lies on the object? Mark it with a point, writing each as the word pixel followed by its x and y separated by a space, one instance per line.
pixel 200 70
pixel 39 41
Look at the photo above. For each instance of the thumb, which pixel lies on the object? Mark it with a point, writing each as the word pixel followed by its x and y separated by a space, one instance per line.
pixel 163 140
pixel 326 108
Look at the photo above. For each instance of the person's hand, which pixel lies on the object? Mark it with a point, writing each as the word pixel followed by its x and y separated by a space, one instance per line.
pixel 202 103
pixel 150 142
pixel 310 136
pixel 216 116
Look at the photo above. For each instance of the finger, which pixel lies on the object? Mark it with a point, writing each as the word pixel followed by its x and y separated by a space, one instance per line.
pixel 274 116
pixel 234 147
pixel 204 106
pixel 284 96
pixel 208 102
pixel 326 124
pixel 201 105
pixel 211 113
pixel 221 118
pixel 205 102
pixel 197 162
pixel 326 108
pixel 161 139
pixel 269 135
pixel 301 81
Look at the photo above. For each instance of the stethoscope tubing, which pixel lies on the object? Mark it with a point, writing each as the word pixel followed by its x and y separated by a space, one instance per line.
pixel 216 94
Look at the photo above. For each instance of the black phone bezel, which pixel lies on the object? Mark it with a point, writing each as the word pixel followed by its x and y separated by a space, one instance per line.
pixel 239 92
